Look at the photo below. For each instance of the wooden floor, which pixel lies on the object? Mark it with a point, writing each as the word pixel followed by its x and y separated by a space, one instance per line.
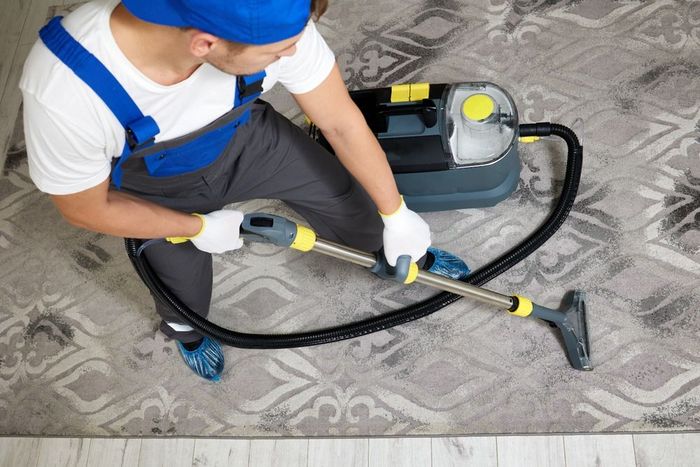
pixel 19 23
pixel 642 450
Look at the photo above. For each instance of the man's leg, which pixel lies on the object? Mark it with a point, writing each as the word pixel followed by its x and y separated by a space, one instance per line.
pixel 187 272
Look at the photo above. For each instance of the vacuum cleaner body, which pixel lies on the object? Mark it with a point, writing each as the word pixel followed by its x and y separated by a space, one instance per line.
pixel 450 146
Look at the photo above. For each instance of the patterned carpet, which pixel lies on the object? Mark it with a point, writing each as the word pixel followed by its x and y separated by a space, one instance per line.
pixel 79 351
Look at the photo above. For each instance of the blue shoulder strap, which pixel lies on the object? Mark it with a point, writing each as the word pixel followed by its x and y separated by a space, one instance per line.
pixel 248 87
pixel 140 129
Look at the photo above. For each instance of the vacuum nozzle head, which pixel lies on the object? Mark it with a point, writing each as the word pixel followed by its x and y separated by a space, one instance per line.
pixel 571 321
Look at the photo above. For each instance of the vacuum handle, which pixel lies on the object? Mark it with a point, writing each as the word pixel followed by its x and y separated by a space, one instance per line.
pixel 404 109
pixel 268 228
pixel 425 108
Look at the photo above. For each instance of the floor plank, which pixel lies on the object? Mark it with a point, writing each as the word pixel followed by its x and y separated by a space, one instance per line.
pixel 63 452
pixel 398 452
pixel 597 450
pixel 166 452
pixel 16 452
pixel 12 55
pixel 221 453
pixel 279 453
pixel 343 452
pixel 10 103
pixel 36 18
pixel 14 14
pixel 530 451
pixel 464 452
pixel 650 450
pixel 667 450
pixel 114 452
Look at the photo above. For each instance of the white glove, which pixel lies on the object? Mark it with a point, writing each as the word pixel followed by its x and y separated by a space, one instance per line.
pixel 219 233
pixel 405 233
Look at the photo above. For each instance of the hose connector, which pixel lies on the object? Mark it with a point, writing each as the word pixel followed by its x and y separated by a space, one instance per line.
pixel 535 129
pixel 521 306
pixel 304 240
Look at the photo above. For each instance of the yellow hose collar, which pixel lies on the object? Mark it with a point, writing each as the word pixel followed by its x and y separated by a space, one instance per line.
pixel 524 307
pixel 412 274
pixel 304 240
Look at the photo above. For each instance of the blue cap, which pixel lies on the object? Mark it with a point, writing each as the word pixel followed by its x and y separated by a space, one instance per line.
pixel 254 22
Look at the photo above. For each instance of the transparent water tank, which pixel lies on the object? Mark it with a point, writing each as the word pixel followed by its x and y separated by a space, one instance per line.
pixel 480 123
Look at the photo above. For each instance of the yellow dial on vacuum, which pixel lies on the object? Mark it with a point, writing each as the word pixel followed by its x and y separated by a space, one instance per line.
pixel 478 107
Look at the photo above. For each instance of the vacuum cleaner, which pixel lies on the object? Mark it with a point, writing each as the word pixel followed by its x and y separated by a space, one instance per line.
pixel 464 139
pixel 450 146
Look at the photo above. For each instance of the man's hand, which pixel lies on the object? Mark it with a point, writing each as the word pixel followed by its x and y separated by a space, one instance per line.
pixel 405 233
pixel 219 233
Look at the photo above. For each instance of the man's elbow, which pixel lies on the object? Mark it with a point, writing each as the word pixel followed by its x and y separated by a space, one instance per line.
pixel 75 219
pixel 77 216
pixel 347 126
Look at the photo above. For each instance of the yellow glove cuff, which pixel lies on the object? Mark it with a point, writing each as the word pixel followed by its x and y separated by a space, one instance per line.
pixel 176 240
pixel 393 213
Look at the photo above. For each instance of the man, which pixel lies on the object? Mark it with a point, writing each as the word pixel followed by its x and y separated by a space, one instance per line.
pixel 142 121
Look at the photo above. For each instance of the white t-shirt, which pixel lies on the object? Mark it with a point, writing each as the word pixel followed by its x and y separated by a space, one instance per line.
pixel 72 135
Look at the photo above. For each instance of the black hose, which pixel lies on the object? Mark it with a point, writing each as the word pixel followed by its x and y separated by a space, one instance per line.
pixel 393 318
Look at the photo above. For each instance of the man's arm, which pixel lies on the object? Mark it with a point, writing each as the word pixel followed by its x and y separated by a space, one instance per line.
pixel 332 110
pixel 103 210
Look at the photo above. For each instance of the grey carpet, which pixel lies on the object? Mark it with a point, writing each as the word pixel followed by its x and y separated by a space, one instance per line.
pixel 79 351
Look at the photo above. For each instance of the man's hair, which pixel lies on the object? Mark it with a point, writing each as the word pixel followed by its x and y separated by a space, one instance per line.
pixel 318 8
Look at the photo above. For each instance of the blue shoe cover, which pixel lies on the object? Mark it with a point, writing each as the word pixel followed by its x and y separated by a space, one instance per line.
pixel 448 265
pixel 207 360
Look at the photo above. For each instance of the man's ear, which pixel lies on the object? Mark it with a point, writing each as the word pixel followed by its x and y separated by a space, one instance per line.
pixel 201 43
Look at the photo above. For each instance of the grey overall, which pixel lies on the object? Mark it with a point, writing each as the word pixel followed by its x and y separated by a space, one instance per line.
pixel 268 158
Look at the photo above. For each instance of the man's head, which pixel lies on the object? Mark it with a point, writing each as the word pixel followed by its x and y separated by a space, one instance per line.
pixel 238 37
